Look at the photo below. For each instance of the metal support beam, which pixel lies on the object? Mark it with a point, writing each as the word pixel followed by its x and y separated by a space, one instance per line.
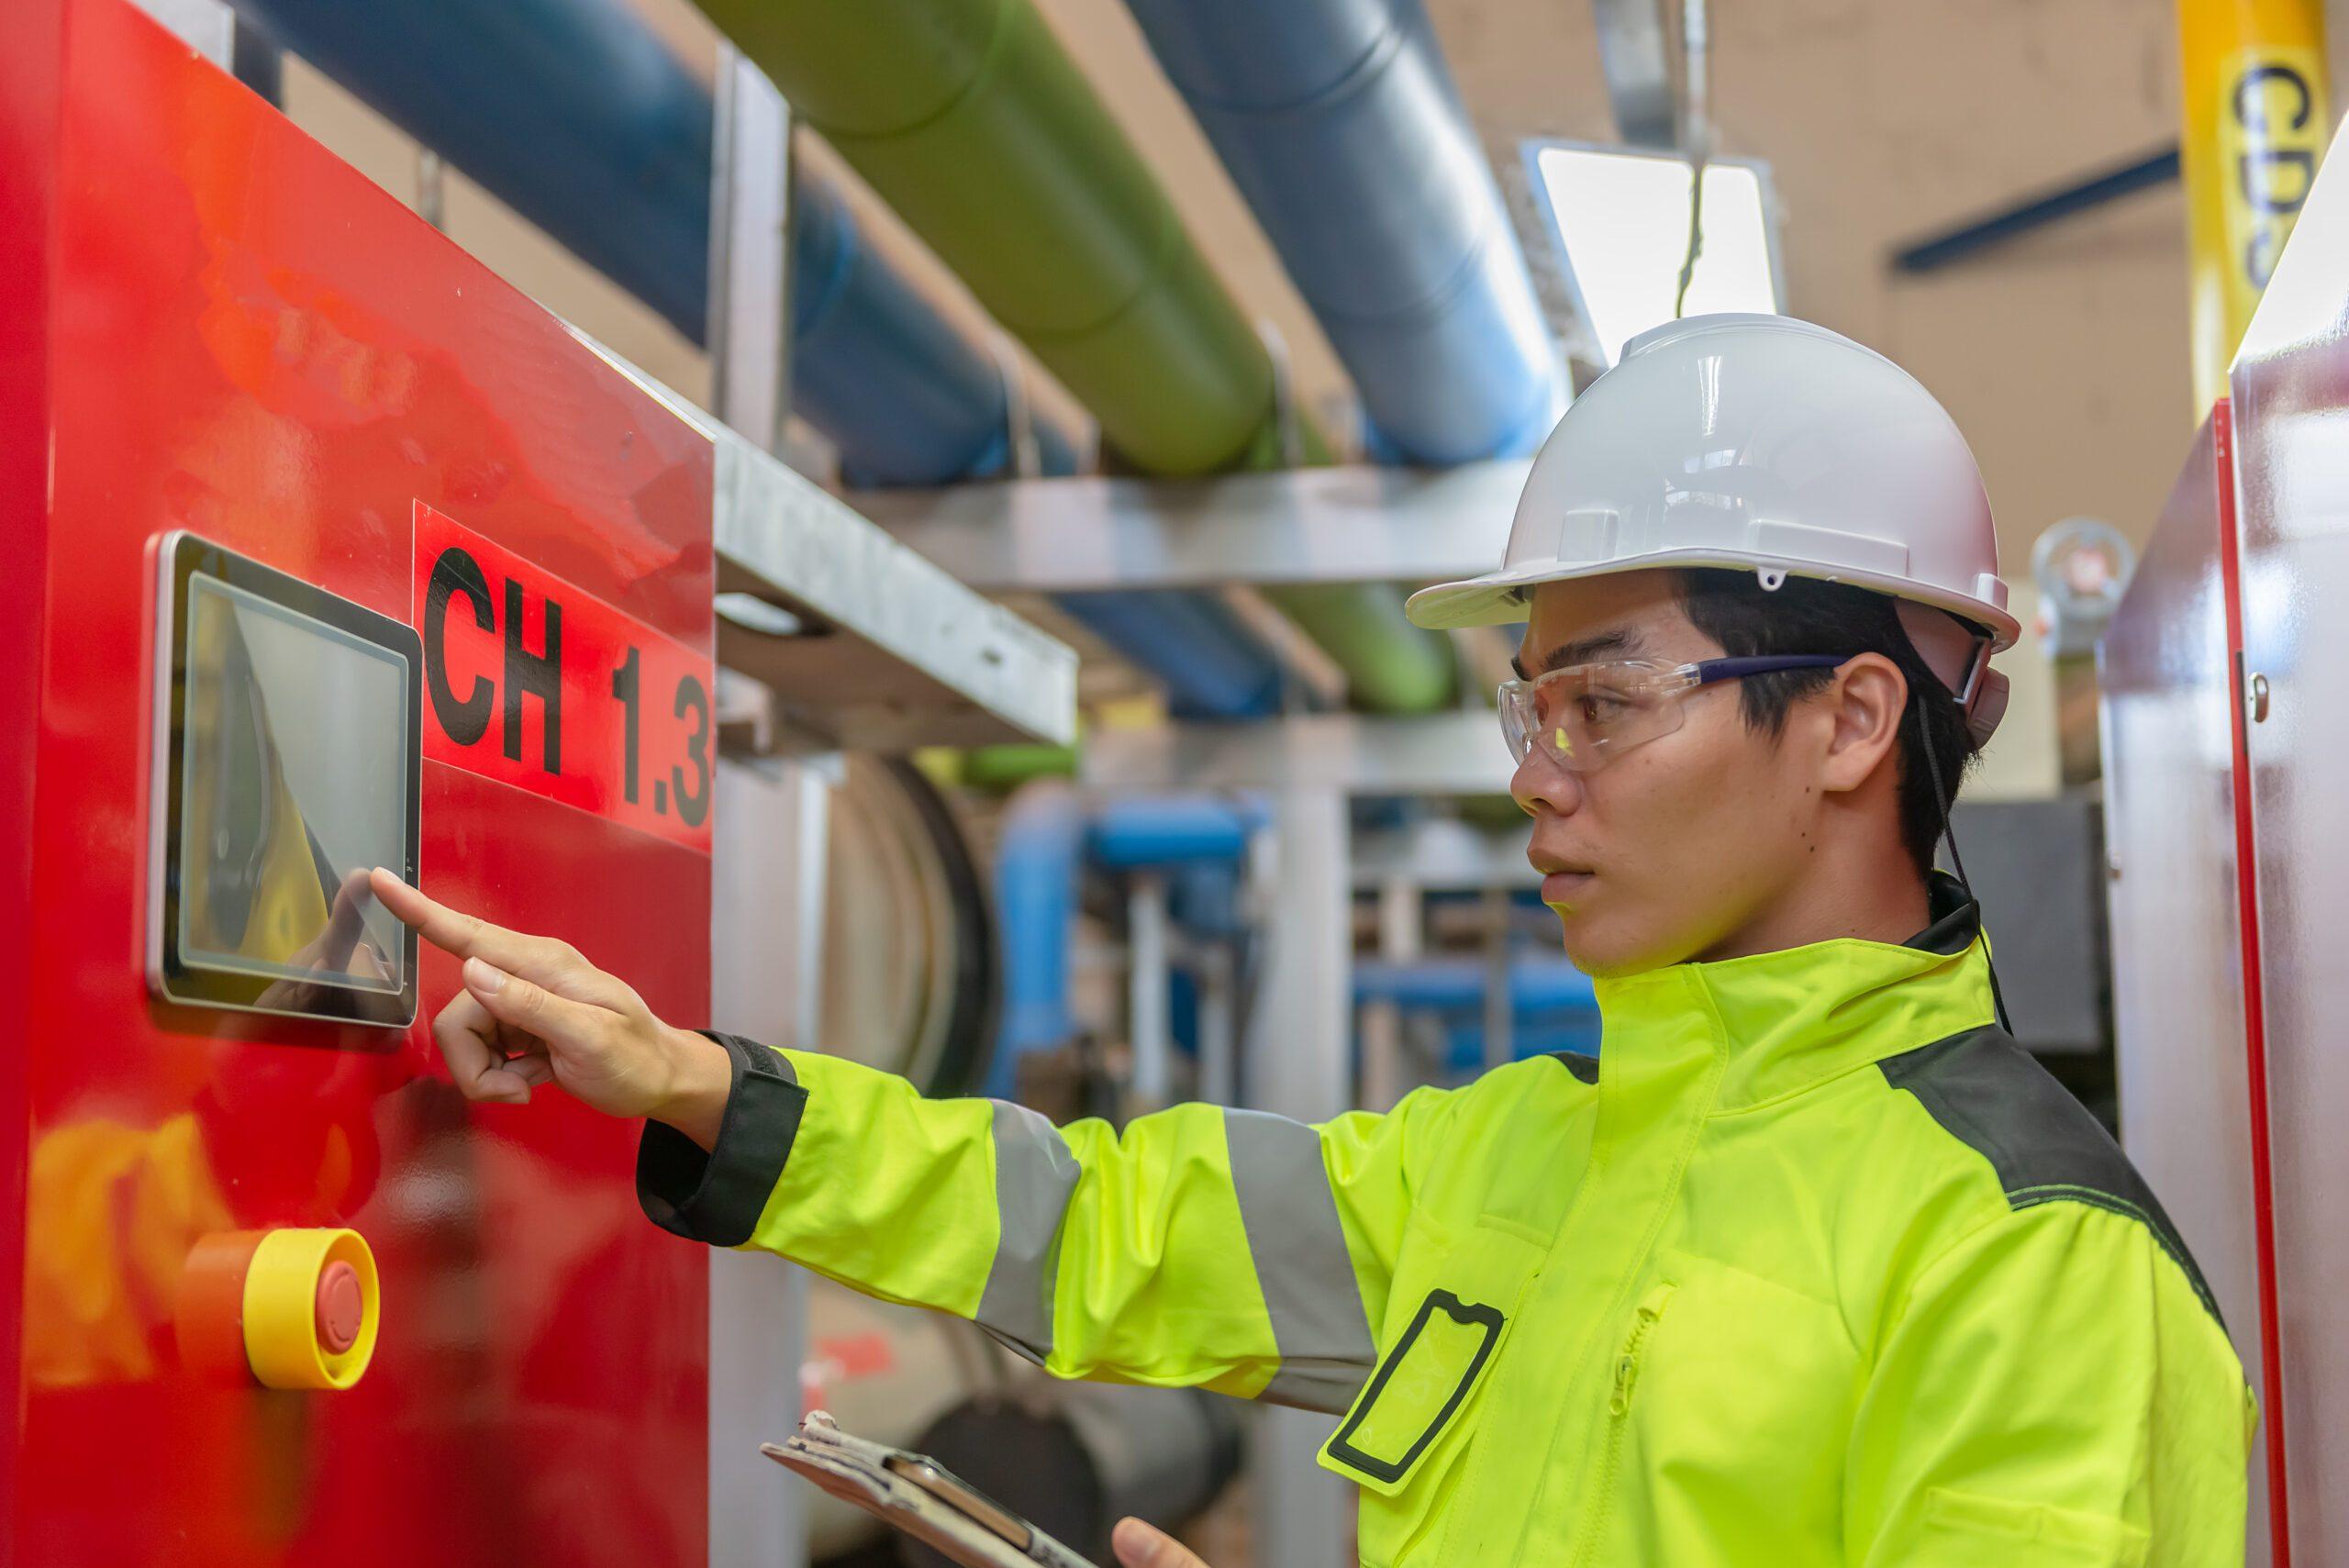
pixel 1148 1020
pixel 766 969
pixel 1313 525
pixel 1635 55
pixel 207 27
pixel 767 883
pixel 1296 1051
pixel 1933 251
pixel 1400 919
pixel 874 648
pixel 256 59
pixel 1218 1032
pixel 1317 681
pixel 1454 752
pixel 750 321
pixel 892 653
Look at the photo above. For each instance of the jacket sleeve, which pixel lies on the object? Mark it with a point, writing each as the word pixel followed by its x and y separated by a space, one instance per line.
pixel 1230 1249
pixel 2055 1392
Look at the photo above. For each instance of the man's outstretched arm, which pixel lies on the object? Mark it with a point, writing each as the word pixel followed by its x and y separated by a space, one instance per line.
pixel 1228 1249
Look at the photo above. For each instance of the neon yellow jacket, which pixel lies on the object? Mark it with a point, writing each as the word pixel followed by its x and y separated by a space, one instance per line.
pixel 1812 1266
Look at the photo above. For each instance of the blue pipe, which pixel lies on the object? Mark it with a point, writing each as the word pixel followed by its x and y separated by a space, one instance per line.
pixel 1211 665
pixel 1204 899
pixel 1339 121
pixel 575 115
pixel 570 111
pixel 906 398
pixel 1036 864
pixel 1150 833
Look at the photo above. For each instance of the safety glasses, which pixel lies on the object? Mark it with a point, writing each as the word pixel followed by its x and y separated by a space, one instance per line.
pixel 1586 715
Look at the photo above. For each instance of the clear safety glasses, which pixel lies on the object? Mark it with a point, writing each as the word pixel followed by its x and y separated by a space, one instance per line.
pixel 1586 715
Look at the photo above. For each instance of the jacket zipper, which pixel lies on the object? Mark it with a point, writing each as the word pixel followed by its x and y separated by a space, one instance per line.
pixel 1627 1365
pixel 1619 1406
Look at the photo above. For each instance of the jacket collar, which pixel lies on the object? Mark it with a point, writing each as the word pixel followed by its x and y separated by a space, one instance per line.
pixel 1782 1022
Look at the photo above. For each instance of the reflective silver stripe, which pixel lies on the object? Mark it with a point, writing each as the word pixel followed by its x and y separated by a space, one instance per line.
pixel 1034 1175
pixel 1319 1323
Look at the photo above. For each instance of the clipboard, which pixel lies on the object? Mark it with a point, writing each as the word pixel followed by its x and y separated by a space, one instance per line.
pixel 915 1494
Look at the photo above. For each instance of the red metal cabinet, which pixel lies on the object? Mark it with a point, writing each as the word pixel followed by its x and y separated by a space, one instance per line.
pixel 2172 783
pixel 2290 392
pixel 2227 751
pixel 207 322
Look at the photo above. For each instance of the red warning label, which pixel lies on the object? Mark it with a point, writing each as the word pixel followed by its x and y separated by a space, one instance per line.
pixel 532 681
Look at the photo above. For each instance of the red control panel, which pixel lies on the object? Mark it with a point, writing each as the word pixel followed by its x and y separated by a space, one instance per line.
pixel 213 326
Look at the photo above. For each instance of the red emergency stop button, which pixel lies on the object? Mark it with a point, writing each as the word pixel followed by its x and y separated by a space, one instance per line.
pixel 341 1307
pixel 292 1308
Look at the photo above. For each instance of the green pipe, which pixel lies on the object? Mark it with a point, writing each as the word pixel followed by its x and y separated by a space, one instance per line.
pixel 999 770
pixel 1391 665
pixel 968 117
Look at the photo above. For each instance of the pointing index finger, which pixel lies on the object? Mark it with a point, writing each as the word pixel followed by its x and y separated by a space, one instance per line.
pixel 453 932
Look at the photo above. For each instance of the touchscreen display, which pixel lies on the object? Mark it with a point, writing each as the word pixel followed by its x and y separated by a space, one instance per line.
pixel 291 772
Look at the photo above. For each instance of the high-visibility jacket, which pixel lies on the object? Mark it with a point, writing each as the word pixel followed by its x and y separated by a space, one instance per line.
pixel 1812 1265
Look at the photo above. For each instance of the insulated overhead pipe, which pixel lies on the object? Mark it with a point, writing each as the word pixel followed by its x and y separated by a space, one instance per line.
pixel 1339 121
pixel 578 116
pixel 581 119
pixel 969 120
pixel 906 398
pixel 968 117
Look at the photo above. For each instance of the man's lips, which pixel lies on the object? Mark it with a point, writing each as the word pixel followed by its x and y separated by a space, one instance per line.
pixel 1562 881
pixel 1565 886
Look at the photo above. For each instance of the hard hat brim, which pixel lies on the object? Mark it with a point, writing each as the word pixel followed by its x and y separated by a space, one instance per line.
pixel 1499 599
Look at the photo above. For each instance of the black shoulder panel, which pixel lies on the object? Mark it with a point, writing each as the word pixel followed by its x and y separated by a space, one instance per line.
pixel 1991 1095
pixel 1582 1067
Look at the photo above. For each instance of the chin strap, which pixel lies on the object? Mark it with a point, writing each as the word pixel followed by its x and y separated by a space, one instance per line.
pixel 1959 656
pixel 1949 832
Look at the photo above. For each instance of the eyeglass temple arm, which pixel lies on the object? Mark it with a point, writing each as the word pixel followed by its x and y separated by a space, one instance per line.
pixel 1711 669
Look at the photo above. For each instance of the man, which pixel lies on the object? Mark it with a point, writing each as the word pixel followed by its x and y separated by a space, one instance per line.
pixel 1811 1266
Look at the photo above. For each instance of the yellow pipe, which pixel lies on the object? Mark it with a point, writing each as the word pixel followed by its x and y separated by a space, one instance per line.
pixel 2253 95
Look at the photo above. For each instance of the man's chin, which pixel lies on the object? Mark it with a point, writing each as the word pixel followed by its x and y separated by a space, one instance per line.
pixel 1601 949
pixel 1584 950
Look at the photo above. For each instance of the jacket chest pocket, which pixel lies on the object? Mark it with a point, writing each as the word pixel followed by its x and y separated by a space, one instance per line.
pixel 1409 1430
pixel 1728 1383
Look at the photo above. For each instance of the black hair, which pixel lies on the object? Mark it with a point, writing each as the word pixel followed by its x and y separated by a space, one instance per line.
pixel 1804 615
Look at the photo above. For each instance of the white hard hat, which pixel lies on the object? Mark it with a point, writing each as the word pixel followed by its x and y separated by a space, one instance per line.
pixel 1774 445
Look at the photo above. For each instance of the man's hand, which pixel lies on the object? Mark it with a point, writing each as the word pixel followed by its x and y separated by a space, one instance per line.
pixel 1139 1545
pixel 534 1012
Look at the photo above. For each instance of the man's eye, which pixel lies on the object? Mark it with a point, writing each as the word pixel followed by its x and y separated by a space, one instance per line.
pixel 1598 707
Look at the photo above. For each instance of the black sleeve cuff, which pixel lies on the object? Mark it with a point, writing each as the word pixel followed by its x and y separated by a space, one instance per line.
pixel 717 1198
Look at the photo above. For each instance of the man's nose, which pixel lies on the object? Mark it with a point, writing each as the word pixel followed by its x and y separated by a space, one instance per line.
pixel 1541 782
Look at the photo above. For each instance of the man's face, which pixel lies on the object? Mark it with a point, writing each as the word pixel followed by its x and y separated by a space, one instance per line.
pixel 1676 843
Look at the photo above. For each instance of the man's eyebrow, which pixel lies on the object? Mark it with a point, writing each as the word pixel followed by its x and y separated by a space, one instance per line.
pixel 1582 650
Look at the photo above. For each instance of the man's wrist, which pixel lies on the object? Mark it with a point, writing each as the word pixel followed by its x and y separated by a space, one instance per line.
pixel 701 1081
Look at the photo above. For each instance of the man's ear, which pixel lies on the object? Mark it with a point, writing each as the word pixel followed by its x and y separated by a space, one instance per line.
pixel 1862 708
